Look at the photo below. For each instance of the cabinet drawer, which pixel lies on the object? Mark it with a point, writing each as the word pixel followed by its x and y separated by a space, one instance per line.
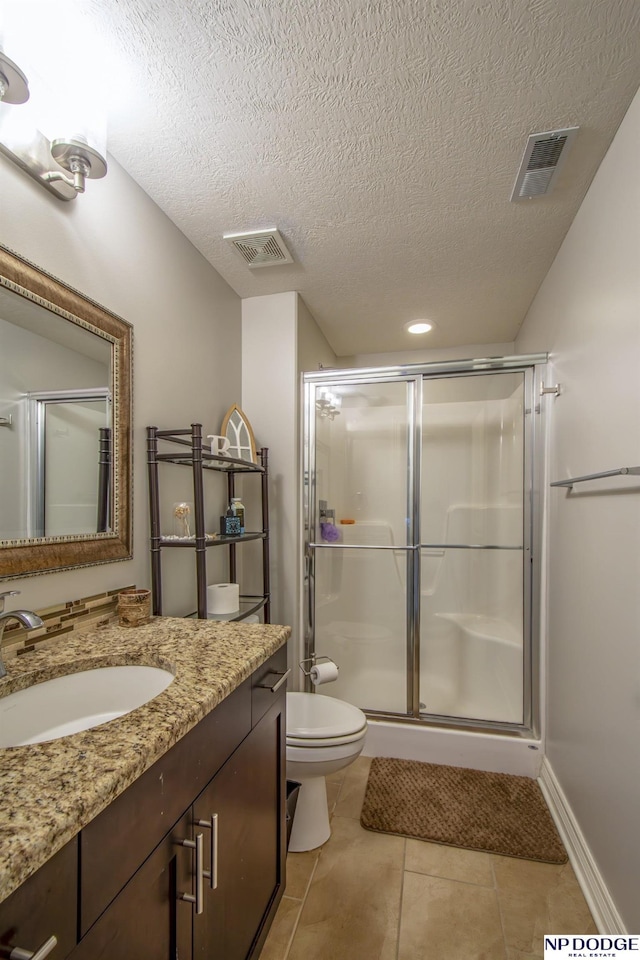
pixel 114 845
pixel 44 906
pixel 263 682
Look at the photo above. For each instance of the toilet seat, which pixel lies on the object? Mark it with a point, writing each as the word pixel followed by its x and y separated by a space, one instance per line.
pixel 313 717
pixel 310 744
pixel 325 754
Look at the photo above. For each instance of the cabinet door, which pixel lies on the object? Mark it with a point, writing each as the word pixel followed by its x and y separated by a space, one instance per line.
pixel 44 906
pixel 148 920
pixel 247 796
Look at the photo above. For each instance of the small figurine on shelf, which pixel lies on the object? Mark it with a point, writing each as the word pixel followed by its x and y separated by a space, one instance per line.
pixel 181 514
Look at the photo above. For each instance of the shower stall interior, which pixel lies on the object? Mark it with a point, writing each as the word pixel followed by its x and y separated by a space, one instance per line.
pixel 421 543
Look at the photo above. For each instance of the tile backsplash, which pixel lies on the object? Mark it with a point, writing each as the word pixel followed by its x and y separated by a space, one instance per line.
pixel 79 616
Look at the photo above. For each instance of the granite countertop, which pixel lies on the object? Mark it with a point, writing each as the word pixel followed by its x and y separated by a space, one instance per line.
pixel 49 791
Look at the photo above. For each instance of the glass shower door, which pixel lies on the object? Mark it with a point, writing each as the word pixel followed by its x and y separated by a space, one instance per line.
pixel 359 551
pixel 473 548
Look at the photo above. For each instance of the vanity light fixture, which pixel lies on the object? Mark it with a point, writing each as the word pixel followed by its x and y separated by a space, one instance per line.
pixel 34 153
pixel 419 326
pixel 328 404
pixel 14 87
pixel 80 159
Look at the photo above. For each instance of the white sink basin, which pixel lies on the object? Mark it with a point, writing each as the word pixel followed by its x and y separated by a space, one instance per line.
pixel 77 701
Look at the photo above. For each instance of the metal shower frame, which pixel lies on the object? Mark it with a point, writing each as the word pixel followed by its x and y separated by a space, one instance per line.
pixel 414 375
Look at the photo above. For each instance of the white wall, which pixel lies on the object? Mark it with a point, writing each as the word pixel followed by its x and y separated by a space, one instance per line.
pixel 116 246
pixel 269 401
pixel 587 313
pixel 280 339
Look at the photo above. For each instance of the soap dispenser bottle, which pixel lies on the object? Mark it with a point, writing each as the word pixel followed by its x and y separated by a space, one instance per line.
pixel 230 524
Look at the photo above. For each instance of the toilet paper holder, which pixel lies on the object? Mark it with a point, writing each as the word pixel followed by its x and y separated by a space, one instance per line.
pixel 314 660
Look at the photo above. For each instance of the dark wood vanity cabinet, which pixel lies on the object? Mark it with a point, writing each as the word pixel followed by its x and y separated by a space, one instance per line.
pixel 224 847
pixel 245 799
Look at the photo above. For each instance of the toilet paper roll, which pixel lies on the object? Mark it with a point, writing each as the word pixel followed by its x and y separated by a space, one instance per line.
pixel 223 598
pixel 324 673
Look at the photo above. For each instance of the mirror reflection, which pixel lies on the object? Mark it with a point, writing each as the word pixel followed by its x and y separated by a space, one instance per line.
pixel 55 424
pixel 65 426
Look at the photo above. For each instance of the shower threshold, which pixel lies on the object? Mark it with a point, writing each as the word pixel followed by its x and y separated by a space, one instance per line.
pixel 511 750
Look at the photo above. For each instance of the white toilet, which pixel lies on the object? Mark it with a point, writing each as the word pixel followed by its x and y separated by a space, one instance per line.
pixel 323 736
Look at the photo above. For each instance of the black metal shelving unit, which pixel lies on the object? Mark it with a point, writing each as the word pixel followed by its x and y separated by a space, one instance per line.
pixel 193 455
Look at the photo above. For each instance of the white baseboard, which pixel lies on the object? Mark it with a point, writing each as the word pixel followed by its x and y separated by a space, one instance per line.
pixel 591 881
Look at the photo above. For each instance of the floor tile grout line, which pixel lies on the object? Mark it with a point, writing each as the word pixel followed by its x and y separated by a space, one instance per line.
pixel 440 876
pixel 499 903
pixel 404 860
pixel 304 900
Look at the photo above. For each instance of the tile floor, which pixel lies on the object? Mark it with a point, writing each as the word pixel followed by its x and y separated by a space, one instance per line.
pixel 368 896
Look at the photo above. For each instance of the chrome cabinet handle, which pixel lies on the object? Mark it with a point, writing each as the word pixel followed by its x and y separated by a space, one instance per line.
pixel 212 875
pixel 43 951
pixel 276 686
pixel 198 845
pixel 214 851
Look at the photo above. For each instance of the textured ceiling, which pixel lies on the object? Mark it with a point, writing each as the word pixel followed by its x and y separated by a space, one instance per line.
pixel 382 138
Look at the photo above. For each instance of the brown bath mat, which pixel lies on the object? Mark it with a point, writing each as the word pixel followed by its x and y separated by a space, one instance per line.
pixel 493 812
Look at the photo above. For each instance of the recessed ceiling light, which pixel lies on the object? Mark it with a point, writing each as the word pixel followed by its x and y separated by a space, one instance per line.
pixel 419 326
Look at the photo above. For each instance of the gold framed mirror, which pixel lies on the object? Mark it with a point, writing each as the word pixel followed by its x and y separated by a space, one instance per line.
pixel 65 426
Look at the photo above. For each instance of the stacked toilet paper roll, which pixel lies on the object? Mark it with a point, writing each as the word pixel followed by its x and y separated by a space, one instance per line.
pixel 324 672
pixel 223 598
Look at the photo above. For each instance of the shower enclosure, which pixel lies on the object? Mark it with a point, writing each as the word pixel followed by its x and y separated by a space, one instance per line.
pixel 421 546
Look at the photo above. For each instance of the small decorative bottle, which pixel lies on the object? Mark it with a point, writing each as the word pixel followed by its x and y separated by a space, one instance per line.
pixel 238 509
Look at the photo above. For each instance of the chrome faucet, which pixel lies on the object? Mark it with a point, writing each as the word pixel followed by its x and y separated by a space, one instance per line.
pixel 27 618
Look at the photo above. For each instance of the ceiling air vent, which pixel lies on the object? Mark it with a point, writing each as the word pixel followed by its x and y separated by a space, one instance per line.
pixel 260 248
pixel 543 157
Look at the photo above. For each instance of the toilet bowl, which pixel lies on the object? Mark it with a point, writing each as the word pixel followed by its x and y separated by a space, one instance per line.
pixel 323 736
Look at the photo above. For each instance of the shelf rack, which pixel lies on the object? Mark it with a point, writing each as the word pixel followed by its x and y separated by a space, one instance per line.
pixel 201 460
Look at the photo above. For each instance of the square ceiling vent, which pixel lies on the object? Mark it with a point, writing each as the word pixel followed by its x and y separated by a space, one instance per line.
pixel 542 160
pixel 260 248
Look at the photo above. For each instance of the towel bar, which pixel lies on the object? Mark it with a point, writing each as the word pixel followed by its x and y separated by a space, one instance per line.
pixel 621 471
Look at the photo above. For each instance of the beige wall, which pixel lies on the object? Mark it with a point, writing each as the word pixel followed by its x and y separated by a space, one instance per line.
pixel 312 346
pixel 587 313
pixel 115 245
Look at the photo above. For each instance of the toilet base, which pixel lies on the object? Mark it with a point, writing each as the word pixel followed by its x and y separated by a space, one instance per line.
pixel 311 821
